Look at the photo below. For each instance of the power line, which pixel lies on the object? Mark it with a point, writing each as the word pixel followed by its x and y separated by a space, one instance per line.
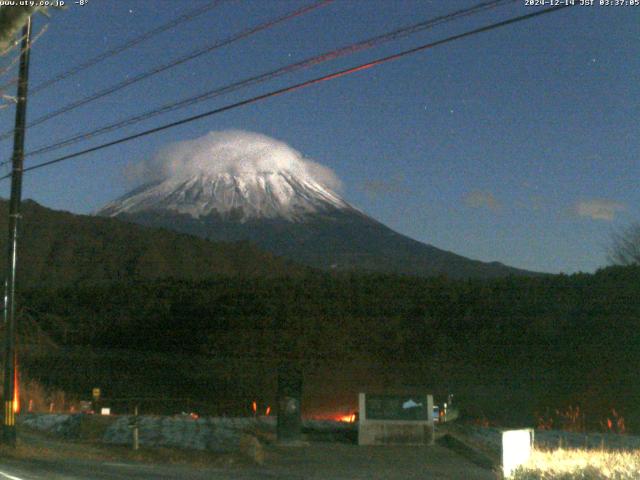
pixel 14 61
pixel 103 56
pixel 12 46
pixel 309 62
pixel 16 58
pixel 194 54
pixel 190 15
pixel 298 86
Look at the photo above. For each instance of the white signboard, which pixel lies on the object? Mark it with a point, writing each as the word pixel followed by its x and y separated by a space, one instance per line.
pixel 105 411
pixel 516 449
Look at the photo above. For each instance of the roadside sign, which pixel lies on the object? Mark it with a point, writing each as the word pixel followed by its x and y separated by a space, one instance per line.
pixel 397 407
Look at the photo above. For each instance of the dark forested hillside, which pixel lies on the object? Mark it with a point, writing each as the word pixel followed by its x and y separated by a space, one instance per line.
pixel 510 348
pixel 59 248
pixel 336 240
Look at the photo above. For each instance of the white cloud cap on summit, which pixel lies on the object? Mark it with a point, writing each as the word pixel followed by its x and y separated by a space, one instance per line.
pixel 231 173
pixel 234 152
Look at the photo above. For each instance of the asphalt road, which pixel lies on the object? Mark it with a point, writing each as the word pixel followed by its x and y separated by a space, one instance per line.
pixel 314 462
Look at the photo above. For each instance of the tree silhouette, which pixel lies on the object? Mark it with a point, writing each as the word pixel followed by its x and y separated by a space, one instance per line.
pixel 625 248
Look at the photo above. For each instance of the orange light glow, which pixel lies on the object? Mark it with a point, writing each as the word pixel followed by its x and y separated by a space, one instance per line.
pixel 347 418
pixel 16 394
pixel 268 411
pixel 616 425
pixel 254 407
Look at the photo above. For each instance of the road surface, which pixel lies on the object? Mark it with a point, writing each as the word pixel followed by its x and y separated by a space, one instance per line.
pixel 321 461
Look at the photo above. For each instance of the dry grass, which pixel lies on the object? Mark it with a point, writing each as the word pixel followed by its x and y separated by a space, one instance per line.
pixel 581 464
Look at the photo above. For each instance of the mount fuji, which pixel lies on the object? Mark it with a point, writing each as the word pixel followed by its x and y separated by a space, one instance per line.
pixel 257 196
pixel 240 186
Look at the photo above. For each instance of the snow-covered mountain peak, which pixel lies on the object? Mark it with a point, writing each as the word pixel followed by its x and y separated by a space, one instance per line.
pixel 250 196
pixel 233 174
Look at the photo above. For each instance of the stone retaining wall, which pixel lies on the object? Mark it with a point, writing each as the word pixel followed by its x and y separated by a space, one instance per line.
pixel 217 434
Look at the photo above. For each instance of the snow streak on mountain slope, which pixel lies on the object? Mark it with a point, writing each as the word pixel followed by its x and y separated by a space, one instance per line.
pixel 267 195
pixel 236 175
pixel 240 186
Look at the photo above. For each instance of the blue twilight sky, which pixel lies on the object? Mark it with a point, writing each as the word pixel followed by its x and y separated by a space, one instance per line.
pixel 519 145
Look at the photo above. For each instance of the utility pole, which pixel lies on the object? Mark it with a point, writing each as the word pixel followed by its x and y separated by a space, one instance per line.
pixel 9 422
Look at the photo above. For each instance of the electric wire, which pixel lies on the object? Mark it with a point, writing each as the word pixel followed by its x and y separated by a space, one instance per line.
pixel 11 82
pixel 174 63
pixel 190 15
pixel 5 69
pixel 8 98
pixel 309 62
pixel 13 45
pixel 14 61
pixel 298 86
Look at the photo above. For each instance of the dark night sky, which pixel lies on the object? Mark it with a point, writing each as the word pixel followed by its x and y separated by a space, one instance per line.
pixel 518 145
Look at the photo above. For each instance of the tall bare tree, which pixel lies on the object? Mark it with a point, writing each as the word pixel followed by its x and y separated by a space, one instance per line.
pixel 625 246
